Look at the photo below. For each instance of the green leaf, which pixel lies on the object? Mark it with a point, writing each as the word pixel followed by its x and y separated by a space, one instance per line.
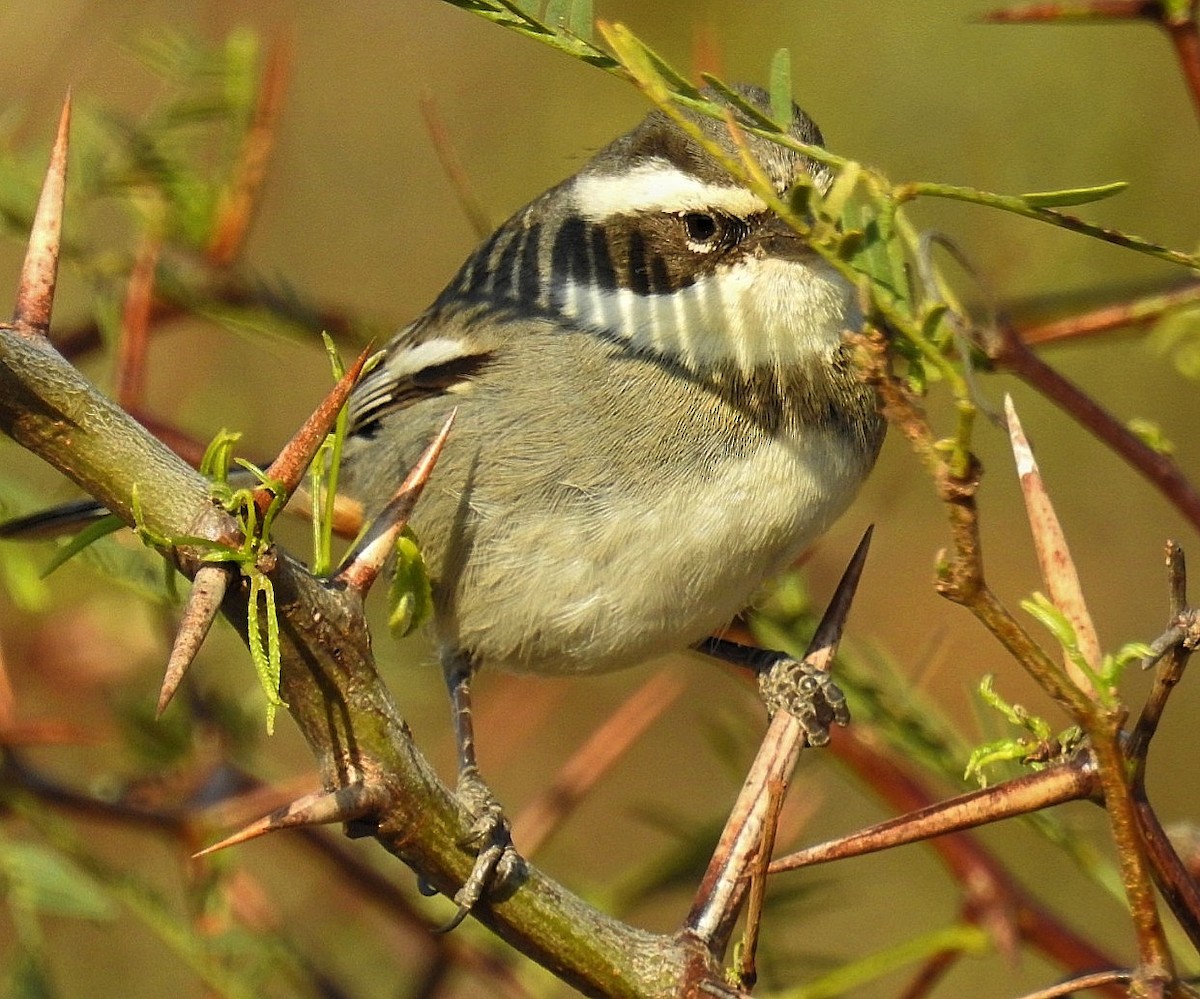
pixel 991 753
pixel 754 114
pixel 1114 665
pixel 526 18
pixel 1151 434
pixel 218 455
pixel 1043 610
pixel 781 88
pixel 41 881
pixel 556 13
pixel 580 19
pixel 1072 223
pixel 89 535
pixel 1074 195
pixel 640 61
pixel 838 198
pixel 1014 713
pixel 324 470
pixel 668 73
pixel 264 650
pixel 410 597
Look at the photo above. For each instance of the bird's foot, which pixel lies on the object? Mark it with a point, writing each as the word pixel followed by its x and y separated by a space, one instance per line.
pixel 497 863
pixel 805 692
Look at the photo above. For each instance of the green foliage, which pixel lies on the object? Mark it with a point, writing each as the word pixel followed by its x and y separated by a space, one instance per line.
pixel 567 26
pixel 1152 434
pixel 38 881
pixel 171 167
pixel 410 597
pixel 1073 196
pixel 1037 748
pixel 1104 679
pixel 919 950
pixel 780 87
pixel 84 539
pixel 1177 336
pixel 323 475
pixel 262 619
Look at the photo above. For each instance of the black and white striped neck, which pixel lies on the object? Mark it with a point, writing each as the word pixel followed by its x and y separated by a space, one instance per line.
pixel 653 246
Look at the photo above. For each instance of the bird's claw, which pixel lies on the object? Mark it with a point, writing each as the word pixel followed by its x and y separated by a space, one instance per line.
pixel 807 693
pixel 497 862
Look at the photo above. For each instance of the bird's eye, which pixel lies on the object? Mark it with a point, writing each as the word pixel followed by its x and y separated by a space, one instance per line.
pixel 702 229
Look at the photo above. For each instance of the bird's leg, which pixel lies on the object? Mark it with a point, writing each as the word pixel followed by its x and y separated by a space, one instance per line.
pixel 496 861
pixel 806 692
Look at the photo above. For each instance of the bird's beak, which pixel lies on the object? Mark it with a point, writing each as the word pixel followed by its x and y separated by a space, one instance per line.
pixel 778 239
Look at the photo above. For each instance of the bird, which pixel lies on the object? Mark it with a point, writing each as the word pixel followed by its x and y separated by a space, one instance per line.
pixel 656 411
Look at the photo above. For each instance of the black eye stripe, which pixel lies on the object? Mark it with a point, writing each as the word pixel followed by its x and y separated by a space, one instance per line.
pixel 652 253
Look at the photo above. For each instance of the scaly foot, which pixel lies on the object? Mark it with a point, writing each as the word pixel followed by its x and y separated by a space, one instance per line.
pixel 497 863
pixel 807 693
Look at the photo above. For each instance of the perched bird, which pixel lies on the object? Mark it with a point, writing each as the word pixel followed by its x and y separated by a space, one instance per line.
pixel 656 412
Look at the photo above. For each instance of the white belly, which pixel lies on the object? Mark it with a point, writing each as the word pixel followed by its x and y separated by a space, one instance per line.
pixel 622 582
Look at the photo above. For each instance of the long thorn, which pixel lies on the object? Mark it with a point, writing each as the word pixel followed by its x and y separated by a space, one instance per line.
pixel 363 565
pixel 293 460
pixel 1054 557
pixel 825 639
pixel 1067 782
pixel 203 605
pixel 354 801
pixel 724 884
pixel 39 273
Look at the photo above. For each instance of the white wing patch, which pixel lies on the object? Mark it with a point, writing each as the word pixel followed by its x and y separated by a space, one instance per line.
pixel 409 360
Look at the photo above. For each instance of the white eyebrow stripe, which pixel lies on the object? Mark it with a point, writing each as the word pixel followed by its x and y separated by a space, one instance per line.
pixel 657 186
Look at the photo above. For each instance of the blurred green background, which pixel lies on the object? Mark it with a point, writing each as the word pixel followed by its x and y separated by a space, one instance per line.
pixel 358 215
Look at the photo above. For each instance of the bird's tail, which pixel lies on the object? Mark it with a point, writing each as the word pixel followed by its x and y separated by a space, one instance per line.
pixel 66 518
pixel 69 518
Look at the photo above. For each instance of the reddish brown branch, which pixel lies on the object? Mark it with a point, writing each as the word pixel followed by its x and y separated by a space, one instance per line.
pixel 135 323
pixel 1118 315
pixel 239 198
pixel 993 896
pixel 452 166
pixel 1182 33
pixel 1095 10
pixel 596 757
pixel 1180 29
